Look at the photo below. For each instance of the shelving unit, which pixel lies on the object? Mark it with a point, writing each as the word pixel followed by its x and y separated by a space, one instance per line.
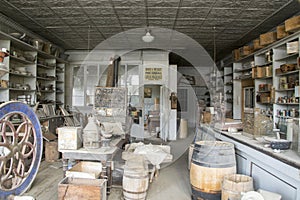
pixel 274 88
pixel 227 66
pixel 33 75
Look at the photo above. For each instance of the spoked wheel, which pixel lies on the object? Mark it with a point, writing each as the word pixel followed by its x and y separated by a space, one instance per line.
pixel 21 145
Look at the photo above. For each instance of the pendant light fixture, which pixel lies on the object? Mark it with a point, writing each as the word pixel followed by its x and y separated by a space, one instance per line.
pixel 148 37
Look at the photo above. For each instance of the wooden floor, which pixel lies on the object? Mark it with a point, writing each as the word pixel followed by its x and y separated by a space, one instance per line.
pixel 172 182
pixel 46 182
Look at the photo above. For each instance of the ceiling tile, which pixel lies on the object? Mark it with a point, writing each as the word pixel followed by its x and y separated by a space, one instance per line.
pixel 256 14
pixel 131 12
pixel 105 21
pixel 68 12
pixel 60 3
pixel 274 4
pixel 133 22
pixel 99 12
pixel 197 3
pixel 224 13
pixel 241 4
pixel 93 3
pixel 163 3
pixel 43 12
pixel 161 22
pixel 193 12
pixel 188 22
pixel 162 12
pixel 131 3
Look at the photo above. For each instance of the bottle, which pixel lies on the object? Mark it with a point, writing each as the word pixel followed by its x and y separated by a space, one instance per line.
pixel 289 131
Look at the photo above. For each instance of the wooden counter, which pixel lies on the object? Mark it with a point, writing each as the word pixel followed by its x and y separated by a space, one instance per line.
pixel 275 172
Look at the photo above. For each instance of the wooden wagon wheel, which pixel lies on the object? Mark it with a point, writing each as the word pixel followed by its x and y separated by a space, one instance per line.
pixel 21 145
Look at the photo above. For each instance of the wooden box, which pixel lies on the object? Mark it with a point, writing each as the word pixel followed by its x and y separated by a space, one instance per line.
pixel 267 38
pixel 51 151
pixel 265 99
pixel 254 72
pixel 268 70
pixel 292 47
pixel 206 117
pixel 80 188
pixel 260 72
pixel 256 44
pixel 84 169
pixel 236 54
pixel 69 137
pixel 292 24
pixel 278 71
pixel 246 50
pixel 281 33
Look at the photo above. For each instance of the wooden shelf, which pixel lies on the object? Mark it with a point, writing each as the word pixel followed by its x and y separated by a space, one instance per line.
pixel 21 75
pixel 20 90
pixel 23 61
pixel 288 73
pixel 285 90
pixel 287 56
pixel 266 77
pixel 45 79
pixel 289 104
pixel 45 66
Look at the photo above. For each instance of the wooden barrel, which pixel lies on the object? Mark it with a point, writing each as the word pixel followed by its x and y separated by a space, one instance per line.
pixel 135 182
pixel 190 153
pixel 211 161
pixel 233 185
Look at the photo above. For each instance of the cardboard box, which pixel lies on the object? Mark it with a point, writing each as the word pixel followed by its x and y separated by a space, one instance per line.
pixel 69 137
pixel 84 169
pixel 292 47
pixel 281 33
pixel 293 24
pixel 81 188
pixel 267 38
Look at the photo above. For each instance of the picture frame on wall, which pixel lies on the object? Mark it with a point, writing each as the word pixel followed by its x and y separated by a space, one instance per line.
pixel 147 92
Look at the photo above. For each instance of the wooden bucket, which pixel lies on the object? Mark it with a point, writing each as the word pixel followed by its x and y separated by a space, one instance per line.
pixel 211 161
pixel 135 181
pixel 233 185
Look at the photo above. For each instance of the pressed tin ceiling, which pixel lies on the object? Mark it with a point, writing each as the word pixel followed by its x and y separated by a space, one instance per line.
pixel 82 24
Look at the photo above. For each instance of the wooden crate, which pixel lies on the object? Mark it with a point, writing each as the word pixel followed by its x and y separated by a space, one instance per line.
pixel 256 44
pixel 292 47
pixel 260 72
pixel 51 151
pixel 236 54
pixel 281 33
pixel 84 169
pixel 267 38
pixel 80 188
pixel 293 24
pixel 69 137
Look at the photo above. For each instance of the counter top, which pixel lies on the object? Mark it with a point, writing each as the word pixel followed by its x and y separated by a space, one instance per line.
pixel 289 157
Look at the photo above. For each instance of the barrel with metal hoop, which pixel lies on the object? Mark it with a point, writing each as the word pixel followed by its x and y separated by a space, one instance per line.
pixel 135 181
pixel 211 161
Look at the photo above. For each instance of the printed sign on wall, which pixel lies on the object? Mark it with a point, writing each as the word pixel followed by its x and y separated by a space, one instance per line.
pixel 153 74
